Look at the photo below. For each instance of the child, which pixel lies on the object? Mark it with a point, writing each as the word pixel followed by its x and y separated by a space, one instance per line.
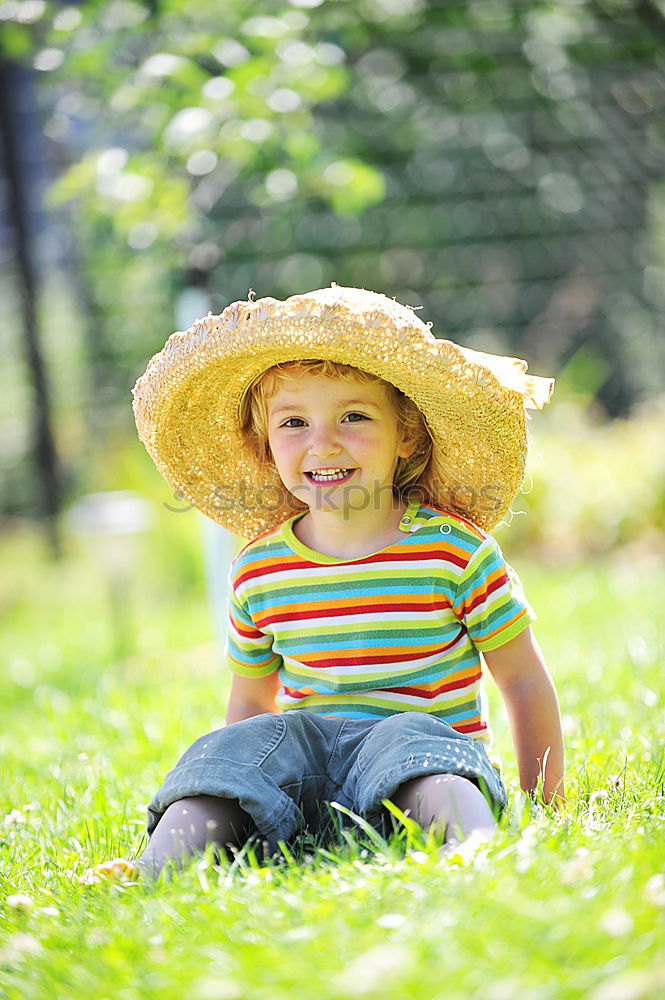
pixel 370 459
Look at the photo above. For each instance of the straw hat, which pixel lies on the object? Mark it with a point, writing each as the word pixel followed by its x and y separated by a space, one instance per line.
pixel 187 403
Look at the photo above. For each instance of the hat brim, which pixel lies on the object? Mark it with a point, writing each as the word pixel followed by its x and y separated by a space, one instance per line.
pixel 187 404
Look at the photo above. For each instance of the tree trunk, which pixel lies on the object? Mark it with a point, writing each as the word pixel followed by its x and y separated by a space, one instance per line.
pixel 12 88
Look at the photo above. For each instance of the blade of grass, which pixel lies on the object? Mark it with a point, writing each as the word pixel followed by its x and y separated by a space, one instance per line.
pixel 366 827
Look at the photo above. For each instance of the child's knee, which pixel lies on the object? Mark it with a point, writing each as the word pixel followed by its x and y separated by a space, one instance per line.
pixel 442 797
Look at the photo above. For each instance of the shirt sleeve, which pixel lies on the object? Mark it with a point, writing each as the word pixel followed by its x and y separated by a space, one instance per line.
pixel 248 650
pixel 490 601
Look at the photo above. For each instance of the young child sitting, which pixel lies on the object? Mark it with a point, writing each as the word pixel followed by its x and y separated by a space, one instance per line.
pixel 371 460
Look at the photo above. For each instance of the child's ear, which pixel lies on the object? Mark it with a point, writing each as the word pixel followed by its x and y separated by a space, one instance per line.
pixel 406 448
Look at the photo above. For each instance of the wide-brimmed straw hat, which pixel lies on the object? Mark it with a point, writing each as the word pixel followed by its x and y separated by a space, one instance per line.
pixel 187 404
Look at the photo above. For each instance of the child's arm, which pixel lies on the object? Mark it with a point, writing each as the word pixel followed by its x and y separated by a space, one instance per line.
pixel 252 696
pixel 520 671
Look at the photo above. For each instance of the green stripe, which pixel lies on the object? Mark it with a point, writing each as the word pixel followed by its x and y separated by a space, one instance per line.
pixel 368 679
pixel 248 671
pixel 408 631
pixel 487 645
pixel 384 705
pixel 372 581
pixel 487 620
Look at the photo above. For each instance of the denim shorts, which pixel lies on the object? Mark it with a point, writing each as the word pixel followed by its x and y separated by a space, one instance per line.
pixel 284 768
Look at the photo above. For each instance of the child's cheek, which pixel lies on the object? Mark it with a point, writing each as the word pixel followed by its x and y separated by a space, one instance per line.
pixel 360 432
pixel 367 441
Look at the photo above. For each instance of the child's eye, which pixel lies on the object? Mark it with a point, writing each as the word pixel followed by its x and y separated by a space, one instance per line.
pixel 355 417
pixel 293 422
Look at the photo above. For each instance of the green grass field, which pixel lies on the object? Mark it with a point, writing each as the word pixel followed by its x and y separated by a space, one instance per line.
pixel 557 907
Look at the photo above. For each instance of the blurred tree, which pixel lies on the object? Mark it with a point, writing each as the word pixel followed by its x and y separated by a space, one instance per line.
pixel 15 98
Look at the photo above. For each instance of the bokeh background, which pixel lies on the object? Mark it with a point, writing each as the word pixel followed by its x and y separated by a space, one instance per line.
pixel 499 164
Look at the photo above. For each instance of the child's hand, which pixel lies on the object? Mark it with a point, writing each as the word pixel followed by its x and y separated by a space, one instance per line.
pixel 119 869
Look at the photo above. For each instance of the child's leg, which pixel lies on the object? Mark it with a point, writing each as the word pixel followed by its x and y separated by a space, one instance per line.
pixel 188 826
pixel 449 800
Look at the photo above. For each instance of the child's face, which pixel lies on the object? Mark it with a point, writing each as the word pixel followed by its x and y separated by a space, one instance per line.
pixel 332 439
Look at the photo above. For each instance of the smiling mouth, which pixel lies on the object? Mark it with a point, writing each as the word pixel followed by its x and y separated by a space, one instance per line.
pixel 329 475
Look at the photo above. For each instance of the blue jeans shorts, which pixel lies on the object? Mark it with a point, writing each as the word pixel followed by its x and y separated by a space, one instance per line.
pixel 283 768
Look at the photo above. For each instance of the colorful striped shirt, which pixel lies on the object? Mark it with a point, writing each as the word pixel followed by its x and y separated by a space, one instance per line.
pixel 399 630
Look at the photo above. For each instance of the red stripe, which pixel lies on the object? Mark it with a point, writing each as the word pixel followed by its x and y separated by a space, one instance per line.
pixel 297 695
pixel 248 633
pixel 337 611
pixel 429 695
pixel 412 555
pixel 496 585
pixel 244 630
pixel 415 554
pixel 469 727
pixel 269 566
pixel 357 660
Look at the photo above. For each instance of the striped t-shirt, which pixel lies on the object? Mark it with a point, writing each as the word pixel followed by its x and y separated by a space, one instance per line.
pixel 399 630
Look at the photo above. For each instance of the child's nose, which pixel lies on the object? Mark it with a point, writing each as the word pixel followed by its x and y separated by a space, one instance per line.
pixel 324 442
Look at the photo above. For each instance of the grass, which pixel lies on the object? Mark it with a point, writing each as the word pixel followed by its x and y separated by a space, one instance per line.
pixel 557 907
